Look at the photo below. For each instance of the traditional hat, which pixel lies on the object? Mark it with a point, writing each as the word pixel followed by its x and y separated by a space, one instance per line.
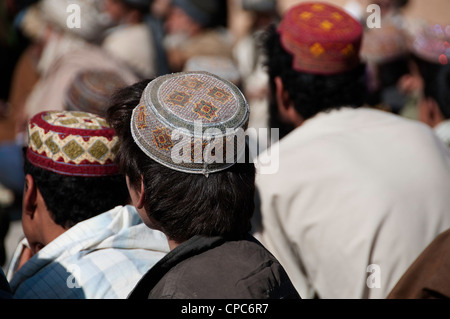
pixel 188 122
pixel 91 90
pixel 72 143
pixel 323 39
pixel 221 66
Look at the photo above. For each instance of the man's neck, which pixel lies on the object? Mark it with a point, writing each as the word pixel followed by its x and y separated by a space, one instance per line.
pixel 172 244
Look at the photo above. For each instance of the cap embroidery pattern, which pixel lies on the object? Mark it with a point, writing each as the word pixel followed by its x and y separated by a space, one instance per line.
pixel 179 98
pixel 72 143
pixel 219 94
pixel 206 110
pixel 192 83
pixel 162 139
pixel 141 119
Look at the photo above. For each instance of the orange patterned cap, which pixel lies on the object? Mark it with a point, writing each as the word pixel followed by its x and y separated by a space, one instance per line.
pixel 323 39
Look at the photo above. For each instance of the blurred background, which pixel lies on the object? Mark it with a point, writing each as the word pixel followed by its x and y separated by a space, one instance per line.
pixel 52 58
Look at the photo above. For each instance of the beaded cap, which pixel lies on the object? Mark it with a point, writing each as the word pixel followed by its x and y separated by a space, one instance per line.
pixel 188 122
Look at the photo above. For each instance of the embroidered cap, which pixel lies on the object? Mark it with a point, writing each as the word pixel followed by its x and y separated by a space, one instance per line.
pixel 323 39
pixel 91 90
pixel 188 122
pixel 72 143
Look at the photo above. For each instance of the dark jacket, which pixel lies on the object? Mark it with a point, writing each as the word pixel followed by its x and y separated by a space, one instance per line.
pixel 213 268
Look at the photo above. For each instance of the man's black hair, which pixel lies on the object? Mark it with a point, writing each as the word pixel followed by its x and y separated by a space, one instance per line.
pixel 183 205
pixel 72 199
pixel 137 5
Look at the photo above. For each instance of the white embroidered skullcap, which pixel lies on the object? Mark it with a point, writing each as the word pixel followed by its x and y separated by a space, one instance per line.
pixel 188 122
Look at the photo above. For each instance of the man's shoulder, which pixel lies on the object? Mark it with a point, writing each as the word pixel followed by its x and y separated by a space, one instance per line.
pixel 235 269
pixel 348 123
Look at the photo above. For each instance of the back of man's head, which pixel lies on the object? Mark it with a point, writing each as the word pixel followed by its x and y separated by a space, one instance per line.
pixel 70 157
pixel 315 51
pixel 176 146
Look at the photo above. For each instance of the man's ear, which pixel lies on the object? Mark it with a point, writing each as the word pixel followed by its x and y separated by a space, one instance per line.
pixel 141 194
pixel 29 196
pixel 281 96
pixel 137 195
pixel 286 108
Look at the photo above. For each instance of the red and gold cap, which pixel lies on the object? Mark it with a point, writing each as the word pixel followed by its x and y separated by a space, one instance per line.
pixel 72 143
pixel 323 38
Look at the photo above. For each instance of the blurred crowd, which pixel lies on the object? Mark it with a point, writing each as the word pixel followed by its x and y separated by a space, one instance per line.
pixel 43 50
pixel 54 56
